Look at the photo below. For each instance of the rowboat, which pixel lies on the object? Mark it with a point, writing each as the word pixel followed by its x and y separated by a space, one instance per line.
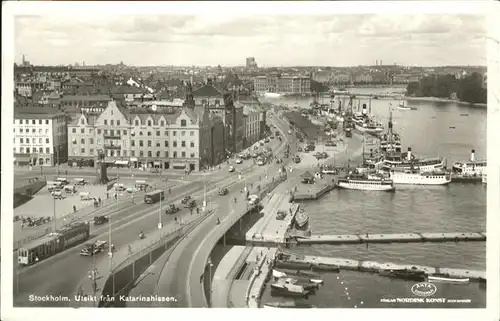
pixel 434 278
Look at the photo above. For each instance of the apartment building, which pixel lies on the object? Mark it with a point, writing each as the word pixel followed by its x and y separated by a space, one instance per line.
pixel 252 119
pixel 40 136
pixel 144 138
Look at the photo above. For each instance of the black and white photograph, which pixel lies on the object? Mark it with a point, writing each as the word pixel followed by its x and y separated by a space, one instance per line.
pixel 228 157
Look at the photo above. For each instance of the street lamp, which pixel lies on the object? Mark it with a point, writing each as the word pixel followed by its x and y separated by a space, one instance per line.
pixel 204 193
pixel 210 264
pixel 160 223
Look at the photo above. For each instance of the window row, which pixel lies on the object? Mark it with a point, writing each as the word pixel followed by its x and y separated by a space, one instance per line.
pixel 123 153
pixel 33 141
pixel 33 130
pixel 33 121
pixel 149 123
pixel 111 122
pixel 29 150
pixel 158 143
pixel 124 132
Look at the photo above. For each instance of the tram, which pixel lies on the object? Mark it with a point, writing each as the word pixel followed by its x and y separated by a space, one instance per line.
pixel 53 243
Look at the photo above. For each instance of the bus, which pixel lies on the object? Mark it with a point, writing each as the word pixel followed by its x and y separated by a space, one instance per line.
pixel 154 196
pixel 53 243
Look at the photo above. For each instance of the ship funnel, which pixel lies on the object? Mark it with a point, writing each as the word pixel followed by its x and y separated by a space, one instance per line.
pixel 409 153
pixel 364 109
pixel 473 155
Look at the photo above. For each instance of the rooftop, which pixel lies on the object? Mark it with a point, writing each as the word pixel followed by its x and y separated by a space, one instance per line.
pixel 86 97
pixel 208 91
pixel 37 112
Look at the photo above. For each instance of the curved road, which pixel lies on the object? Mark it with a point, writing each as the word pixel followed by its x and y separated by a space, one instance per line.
pixel 186 262
pixel 61 274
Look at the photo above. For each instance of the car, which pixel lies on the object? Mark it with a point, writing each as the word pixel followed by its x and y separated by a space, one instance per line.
pixel 266 140
pixel 91 249
pixel 299 149
pixel 100 220
pixel 231 169
pixel 279 161
pixel 191 204
pixel 239 161
pixel 271 137
pixel 172 209
pixel 186 199
pixel 223 191
pixel 289 132
pixel 329 143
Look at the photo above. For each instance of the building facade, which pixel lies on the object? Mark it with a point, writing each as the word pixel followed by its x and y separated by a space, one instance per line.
pixel 143 138
pixel 285 84
pixel 40 137
pixel 252 121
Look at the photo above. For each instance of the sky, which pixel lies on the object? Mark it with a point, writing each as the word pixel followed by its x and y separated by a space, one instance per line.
pixel 274 40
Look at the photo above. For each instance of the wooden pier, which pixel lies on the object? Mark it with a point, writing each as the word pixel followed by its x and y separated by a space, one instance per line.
pixel 391 238
pixel 375 267
pixel 306 192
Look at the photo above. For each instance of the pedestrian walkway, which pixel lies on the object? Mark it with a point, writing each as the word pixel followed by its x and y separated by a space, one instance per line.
pixel 261 274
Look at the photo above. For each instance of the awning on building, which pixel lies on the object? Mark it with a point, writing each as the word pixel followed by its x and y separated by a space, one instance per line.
pixel 109 161
pixel 133 159
pixel 121 162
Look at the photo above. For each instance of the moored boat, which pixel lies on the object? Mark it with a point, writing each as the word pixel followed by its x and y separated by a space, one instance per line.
pixel 471 167
pixel 405 274
pixel 308 274
pixel 301 219
pixel 446 278
pixel 366 183
pixel 289 290
pixel 288 305
pixel 402 106
pixel 407 161
pixel 484 178
pixel 416 177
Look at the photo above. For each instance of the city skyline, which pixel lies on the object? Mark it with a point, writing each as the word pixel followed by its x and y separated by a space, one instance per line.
pixel 274 40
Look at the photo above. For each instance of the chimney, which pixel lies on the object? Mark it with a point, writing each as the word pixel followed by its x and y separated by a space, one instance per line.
pixel 364 109
pixel 473 155
pixel 409 153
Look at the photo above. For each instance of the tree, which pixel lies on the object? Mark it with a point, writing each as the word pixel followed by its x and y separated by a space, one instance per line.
pixel 469 88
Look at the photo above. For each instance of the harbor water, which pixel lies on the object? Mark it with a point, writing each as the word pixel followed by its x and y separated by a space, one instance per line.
pixel 435 129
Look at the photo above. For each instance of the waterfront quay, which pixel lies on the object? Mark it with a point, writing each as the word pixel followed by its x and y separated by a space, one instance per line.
pixel 391 238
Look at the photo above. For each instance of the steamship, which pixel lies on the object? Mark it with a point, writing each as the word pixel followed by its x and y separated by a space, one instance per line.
pixel 365 124
pixel 416 177
pixel 407 161
pixel 366 183
pixel 472 167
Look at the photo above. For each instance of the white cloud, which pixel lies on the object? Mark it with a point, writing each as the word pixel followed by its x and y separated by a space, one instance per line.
pixel 272 39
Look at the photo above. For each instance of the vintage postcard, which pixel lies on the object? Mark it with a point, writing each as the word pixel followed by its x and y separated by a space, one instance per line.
pixel 271 155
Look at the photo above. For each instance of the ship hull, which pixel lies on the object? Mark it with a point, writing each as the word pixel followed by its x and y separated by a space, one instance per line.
pixel 417 179
pixel 366 187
